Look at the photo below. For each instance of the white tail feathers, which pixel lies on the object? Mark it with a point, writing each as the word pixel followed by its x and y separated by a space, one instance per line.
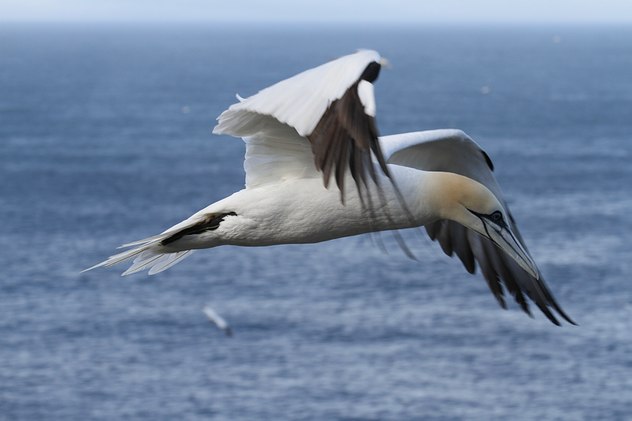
pixel 149 255
pixel 155 261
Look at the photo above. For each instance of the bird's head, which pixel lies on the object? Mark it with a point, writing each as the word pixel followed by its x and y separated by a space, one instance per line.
pixel 474 206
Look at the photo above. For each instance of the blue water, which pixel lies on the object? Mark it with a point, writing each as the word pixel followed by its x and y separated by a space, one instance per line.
pixel 105 138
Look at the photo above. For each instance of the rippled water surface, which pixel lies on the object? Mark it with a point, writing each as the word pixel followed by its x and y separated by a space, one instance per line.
pixel 105 138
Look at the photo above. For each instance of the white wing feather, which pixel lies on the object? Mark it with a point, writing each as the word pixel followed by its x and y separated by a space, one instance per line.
pixel 276 153
pixel 299 101
pixel 367 97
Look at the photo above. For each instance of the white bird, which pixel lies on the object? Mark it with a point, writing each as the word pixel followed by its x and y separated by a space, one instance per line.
pixel 217 320
pixel 321 123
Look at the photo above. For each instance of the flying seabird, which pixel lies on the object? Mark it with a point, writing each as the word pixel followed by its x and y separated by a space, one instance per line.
pixel 319 124
pixel 217 320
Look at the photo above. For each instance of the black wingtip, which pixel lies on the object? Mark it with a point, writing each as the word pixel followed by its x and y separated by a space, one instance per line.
pixel 550 301
pixel 544 309
pixel 565 316
pixel 559 310
pixel 490 164
pixel 371 72
pixel 501 301
pixel 522 301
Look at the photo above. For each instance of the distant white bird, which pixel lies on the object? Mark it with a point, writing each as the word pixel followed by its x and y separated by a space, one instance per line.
pixel 320 124
pixel 217 320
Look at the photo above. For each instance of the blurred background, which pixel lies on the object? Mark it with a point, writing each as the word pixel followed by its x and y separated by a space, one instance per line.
pixel 106 111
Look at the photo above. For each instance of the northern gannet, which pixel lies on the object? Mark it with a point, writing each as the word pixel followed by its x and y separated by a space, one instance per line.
pixel 320 124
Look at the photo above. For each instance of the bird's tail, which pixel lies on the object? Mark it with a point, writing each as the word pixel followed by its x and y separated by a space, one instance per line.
pixel 149 254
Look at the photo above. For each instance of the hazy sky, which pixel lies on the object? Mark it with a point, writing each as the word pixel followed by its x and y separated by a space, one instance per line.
pixel 537 11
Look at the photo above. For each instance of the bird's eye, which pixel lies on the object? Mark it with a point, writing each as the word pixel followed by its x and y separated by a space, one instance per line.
pixel 496 217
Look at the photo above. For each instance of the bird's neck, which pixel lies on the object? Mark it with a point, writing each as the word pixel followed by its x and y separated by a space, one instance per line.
pixel 415 194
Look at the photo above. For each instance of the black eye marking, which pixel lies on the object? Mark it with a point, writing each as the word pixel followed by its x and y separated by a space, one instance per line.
pixel 496 217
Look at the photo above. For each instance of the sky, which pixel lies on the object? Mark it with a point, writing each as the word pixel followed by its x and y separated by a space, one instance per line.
pixel 262 11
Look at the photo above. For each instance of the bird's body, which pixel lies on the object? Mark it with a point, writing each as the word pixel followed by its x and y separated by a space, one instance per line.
pixel 304 211
pixel 320 125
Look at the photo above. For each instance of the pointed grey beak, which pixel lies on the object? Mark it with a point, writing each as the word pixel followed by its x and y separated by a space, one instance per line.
pixel 507 241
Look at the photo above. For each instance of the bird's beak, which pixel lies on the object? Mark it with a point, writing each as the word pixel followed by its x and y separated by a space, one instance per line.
pixel 385 63
pixel 504 238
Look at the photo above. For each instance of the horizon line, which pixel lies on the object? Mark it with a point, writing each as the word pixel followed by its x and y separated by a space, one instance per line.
pixel 323 22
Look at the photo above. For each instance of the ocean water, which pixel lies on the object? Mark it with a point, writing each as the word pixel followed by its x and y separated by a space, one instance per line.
pixel 105 138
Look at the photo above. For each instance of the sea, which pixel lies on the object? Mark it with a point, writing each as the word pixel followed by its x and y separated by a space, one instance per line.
pixel 105 138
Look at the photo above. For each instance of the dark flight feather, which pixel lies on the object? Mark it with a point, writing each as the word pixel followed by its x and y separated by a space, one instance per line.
pixel 210 223
pixel 346 138
pixel 497 268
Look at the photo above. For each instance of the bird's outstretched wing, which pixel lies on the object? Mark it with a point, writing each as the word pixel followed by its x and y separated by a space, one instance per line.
pixel 331 106
pixel 453 151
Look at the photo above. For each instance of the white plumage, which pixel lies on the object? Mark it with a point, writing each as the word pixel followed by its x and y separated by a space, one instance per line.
pixel 299 101
pixel 277 153
pixel 320 123
pixel 367 97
